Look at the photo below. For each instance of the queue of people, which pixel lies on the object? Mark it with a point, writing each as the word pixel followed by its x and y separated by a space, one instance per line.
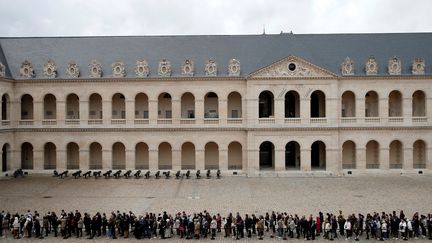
pixel 378 226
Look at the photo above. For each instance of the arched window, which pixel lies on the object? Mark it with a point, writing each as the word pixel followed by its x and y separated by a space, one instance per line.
pixel 266 104
pixel 349 155
pixel 372 155
pixel 235 156
pixel 188 156
pixel 348 104
pixel 318 104
pixel 292 104
pixel 266 155
pixel 211 156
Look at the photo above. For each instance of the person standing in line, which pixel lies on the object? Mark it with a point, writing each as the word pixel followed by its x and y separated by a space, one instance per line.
pixel 213 227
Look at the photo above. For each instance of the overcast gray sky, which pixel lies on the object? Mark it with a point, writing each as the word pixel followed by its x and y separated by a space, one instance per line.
pixel 183 17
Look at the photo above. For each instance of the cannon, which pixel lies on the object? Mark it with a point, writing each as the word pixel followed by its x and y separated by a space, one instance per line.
pixel 147 175
pixel 107 174
pixel 117 174
pixel 198 174
pixel 127 174
pixel 137 174
pixel 88 173
pixel 77 174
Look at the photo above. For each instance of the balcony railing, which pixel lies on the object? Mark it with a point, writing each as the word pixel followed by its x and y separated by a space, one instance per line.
pixel 348 120
pixel 266 120
pixel 372 166
pixel 348 166
pixel 211 120
pixel 419 166
pixel 49 122
pixel 5 122
pixel 235 120
pixel 419 119
pixel 395 119
pixel 72 122
pixel 164 121
pixel 187 121
pixel 118 121
pixel 395 166
pixel 292 120
pixel 372 119
pixel 141 121
pixel 95 121
pixel 26 122
pixel 318 120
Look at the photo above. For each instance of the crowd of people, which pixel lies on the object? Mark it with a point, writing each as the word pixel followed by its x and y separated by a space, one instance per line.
pixel 378 226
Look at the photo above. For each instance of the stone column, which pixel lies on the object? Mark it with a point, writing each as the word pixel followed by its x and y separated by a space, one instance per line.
pixel 223 159
pixel 360 107
pixel 107 112
pixel 130 111
pixel 176 111
pixel 428 107
pixel 429 158
pixel 199 158
pixel 61 159
pixel 38 112
pixel 176 159
pixel 407 108
pixel 15 159
pixel 361 159
pixel 332 109
pixel 253 162
pixel 251 113
pixel 384 158
pixel 130 159
pixel 38 159
pixel 279 160
pixel 199 111
pixel 305 159
pixel 15 112
pixel 153 159
pixel 153 111
pixel 83 111
pixel 223 111
pixel 383 107
pixel 333 160
pixel 408 163
pixel 279 111
pixel 107 158
pixel 305 110
pixel 61 111
pixel 84 159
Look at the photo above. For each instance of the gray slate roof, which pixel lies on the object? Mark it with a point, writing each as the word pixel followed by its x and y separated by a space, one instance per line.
pixel 253 51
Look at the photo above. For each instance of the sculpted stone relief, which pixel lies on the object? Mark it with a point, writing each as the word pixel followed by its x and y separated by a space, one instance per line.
pixel 371 66
pixel 26 70
pixel 234 67
pixel 210 68
pixel 188 68
pixel 95 69
pixel 118 69
pixel 347 67
pixel 2 70
pixel 50 69
pixel 292 67
pixel 394 66
pixel 164 69
pixel 72 70
pixel 142 68
pixel 418 66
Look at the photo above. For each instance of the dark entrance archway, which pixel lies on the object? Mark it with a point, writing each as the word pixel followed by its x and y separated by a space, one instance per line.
pixel 318 155
pixel 266 155
pixel 5 157
pixel 292 156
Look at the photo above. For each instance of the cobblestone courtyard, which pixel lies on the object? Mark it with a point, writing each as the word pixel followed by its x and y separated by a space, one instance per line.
pixel 302 195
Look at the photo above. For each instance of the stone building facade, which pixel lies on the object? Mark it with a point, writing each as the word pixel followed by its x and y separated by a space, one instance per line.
pixel 260 104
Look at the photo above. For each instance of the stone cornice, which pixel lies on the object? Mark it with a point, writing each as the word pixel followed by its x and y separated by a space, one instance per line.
pixel 135 79
pixel 179 129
